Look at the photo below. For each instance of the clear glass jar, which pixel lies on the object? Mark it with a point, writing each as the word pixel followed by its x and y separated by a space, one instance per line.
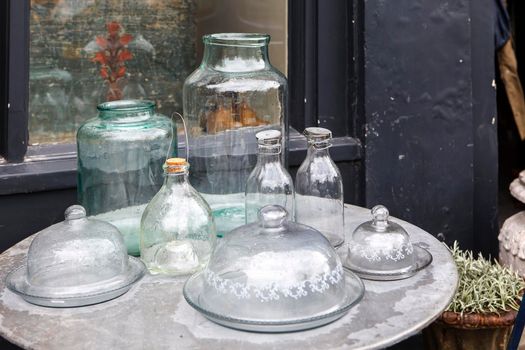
pixel 319 198
pixel 234 94
pixel 120 158
pixel 48 104
pixel 177 230
pixel 269 183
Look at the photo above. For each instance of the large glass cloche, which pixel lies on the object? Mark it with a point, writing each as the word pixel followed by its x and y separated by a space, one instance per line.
pixel 273 275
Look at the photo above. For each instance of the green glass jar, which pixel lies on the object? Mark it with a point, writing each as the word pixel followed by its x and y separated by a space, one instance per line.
pixel 231 96
pixel 120 158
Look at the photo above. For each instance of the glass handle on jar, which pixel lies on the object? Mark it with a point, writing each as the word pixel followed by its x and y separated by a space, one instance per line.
pixel 186 146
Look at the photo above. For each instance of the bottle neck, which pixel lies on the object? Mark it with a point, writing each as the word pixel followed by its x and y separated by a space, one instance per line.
pixel 235 54
pixel 269 154
pixel 175 179
pixel 126 111
pixel 319 149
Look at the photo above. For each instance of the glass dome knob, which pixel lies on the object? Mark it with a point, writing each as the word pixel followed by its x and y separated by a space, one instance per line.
pixel 380 215
pixel 75 212
pixel 272 216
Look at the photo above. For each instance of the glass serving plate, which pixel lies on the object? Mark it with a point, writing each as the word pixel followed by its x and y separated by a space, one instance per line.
pixel 193 293
pixel 422 258
pixel 81 295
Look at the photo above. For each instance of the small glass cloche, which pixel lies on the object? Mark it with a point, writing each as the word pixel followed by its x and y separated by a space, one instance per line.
pixel 79 261
pixel 381 249
pixel 273 275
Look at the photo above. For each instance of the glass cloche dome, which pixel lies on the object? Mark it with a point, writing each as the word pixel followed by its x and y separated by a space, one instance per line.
pixel 76 262
pixel 381 249
pixel 273 275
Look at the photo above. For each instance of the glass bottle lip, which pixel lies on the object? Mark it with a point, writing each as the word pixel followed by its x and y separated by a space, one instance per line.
pixel 269 137
pixel 237 39
pixel 317 134
pixel 125 106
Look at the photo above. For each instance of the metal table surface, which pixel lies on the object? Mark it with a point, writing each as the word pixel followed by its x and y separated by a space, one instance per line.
pixel 154 314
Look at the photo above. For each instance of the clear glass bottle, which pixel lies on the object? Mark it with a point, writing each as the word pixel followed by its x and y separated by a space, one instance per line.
pixel 319 198
pixel 231 96
pixel 177 230
pixel 269 183
pixel 120 157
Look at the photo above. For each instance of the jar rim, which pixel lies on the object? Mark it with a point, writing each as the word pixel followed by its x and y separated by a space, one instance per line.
pixel 126 105
pixel 237 39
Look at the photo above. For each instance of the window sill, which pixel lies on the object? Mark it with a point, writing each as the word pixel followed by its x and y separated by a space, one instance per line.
pixel 54 167
pixel 45 168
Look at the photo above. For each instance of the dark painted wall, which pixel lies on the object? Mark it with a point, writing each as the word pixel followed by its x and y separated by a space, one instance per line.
pixel 431 137
pixel 484 107
pixel 24 214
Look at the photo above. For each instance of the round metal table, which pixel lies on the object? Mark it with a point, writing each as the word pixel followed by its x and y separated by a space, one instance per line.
pixel 154 315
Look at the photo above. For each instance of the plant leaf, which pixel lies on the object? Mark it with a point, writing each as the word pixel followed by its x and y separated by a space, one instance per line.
pixel 113 27
pixel 121 72
pixel 124 55
pixel 100 57
pixel 104 73
pixel 101 42
pixel 125 39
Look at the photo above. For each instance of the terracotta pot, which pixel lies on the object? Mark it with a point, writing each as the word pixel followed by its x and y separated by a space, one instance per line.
pixel 453 331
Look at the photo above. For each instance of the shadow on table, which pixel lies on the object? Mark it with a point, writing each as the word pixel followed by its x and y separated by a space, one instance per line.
pixel 414 342
pixel 5 345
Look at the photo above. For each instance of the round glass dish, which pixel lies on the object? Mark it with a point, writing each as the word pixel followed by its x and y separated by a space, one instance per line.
pixel 76 262
pixel 273 275
pixel 381 250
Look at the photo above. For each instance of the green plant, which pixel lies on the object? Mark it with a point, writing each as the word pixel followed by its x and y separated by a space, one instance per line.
pixel 484 286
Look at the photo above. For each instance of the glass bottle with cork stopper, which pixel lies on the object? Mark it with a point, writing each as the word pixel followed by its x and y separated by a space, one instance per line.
pixel 177 230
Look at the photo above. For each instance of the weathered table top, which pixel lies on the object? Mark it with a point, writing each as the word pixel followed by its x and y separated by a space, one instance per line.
pixel 154 314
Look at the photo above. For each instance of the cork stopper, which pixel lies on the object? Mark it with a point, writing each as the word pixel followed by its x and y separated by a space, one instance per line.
pixel 176 165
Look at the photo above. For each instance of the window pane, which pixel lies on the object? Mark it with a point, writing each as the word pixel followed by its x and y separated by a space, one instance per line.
pixel 256 16
pixel 83 52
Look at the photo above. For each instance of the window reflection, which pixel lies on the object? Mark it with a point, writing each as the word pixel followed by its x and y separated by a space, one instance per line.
pixel 84 52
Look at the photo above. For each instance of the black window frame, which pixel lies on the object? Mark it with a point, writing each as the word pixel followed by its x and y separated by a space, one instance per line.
pixel 317 31
pixel 15 58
